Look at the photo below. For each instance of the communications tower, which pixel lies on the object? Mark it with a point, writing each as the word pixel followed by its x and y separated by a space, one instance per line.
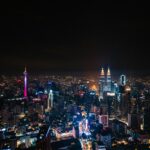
pixel 25 83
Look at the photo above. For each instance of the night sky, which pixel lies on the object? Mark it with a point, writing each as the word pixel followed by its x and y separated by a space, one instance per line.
pixel 74 36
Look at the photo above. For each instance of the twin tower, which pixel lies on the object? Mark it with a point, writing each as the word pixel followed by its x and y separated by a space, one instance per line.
pixel 104 82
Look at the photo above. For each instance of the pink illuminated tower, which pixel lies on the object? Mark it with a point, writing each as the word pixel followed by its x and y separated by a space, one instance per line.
pixel 25 82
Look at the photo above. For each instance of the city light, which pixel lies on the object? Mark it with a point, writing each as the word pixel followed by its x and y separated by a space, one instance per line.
pixel 75 76
pixel 60 112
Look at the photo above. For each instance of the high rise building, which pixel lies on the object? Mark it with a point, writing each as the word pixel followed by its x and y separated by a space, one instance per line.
pixel 101 83
pixel 105 83
pixel 25 82
pixel 50 100
pixel 123 80
pixel 108 80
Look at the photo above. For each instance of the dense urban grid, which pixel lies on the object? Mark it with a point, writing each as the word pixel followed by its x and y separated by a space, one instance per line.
pixel 74 112
pixel 74 76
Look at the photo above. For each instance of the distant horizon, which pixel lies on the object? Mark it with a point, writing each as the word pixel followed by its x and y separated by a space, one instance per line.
pixel 114 72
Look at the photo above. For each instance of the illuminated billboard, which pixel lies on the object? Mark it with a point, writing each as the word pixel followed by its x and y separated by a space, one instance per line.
pixel 110 94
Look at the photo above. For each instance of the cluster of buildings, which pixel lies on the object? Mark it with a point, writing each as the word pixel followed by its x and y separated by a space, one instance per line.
pixel 52 112
pixel 126 103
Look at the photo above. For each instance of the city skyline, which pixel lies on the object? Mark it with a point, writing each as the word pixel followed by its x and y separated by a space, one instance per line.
pixel 80 37
pixel 74 75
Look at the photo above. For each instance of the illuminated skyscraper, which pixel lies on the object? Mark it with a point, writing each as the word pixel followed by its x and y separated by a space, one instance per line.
pixel 25 82
pixel 105 83
pixel 108 80
pixel 101 83
pixel 123 80
pixel 50 100
pixel 51 97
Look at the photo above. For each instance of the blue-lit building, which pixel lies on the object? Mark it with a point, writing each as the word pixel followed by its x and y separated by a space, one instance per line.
pixel 123 80
pixel 101 84
pixel 105 83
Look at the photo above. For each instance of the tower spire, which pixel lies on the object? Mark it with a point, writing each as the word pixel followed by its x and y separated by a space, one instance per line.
pixel 25 69
pixel 102 72
pixel 108 72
